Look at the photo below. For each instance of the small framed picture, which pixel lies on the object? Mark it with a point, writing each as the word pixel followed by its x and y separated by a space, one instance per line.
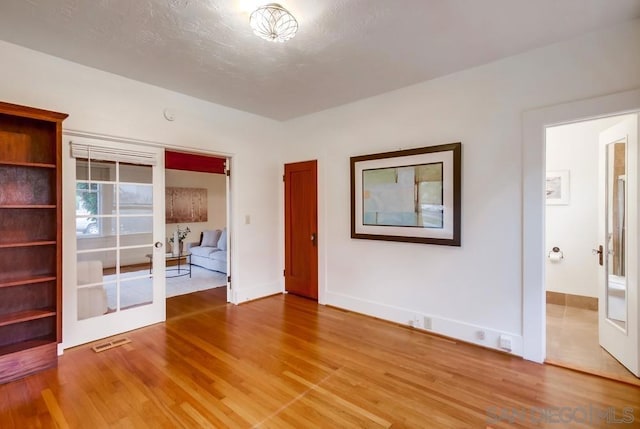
pixel 557 187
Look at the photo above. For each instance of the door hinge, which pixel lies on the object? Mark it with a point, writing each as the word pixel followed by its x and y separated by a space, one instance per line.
pixel 283 178
pixel 229 172
pixel 229 281
pixel 284 273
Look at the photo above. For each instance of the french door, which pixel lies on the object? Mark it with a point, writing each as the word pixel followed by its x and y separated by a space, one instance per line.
pixel 617 249
pixel 118 280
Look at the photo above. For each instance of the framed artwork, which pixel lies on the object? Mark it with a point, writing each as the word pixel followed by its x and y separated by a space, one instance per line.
pixel 409 195
pixel 184 205
pixel 557 187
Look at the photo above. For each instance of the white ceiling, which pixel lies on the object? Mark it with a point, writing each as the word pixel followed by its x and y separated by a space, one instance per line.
pixel 345 50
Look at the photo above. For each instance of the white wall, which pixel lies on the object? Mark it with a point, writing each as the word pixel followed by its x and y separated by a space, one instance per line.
pixel 215 184
pixel 104 103
pixel 477 286
pixel 574 227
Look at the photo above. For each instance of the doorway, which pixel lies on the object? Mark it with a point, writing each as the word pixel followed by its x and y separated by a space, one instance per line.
pixel 196 209
pixel 574 213
pixel 534 124
pixel 117 258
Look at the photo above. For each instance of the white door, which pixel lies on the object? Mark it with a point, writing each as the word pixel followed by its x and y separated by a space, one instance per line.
pixel 117 282
pixel 618 243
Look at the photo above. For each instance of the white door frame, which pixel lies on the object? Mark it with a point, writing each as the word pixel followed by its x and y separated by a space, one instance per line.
pixel 535 123
pixel 228 196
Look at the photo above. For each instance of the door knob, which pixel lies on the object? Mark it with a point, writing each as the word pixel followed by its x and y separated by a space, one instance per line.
pixel 600 252
pixel 313 238
pixel 158 245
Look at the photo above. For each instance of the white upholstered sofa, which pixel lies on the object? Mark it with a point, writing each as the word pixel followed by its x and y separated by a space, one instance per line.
pixel 211 251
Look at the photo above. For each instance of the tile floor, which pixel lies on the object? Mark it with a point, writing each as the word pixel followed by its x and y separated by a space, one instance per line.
pixel 572 341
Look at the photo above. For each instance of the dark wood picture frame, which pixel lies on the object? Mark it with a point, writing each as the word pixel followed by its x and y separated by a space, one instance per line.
pixel 446 159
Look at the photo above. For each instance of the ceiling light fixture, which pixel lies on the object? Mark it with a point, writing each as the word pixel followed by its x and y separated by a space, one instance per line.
pixel 273 22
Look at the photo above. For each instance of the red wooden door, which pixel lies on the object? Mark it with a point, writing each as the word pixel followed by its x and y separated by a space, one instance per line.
pixel 301 229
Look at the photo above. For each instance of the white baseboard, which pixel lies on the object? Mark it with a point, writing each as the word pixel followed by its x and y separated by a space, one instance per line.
pixel 255 292
pixel 451 328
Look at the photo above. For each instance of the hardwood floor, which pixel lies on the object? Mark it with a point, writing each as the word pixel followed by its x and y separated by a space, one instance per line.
pixel 572 342
pixel 285 362
pixel 190 304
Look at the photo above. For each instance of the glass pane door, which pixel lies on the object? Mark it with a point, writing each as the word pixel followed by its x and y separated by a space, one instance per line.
pixel 114 260
pixel 114 229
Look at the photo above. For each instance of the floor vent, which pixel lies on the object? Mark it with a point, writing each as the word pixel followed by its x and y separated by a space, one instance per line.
pixel 110 344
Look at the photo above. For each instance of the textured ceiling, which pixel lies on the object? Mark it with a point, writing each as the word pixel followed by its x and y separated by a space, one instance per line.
pixel 345 50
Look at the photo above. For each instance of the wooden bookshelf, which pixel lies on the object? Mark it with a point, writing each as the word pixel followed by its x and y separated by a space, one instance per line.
pixel 30 239
pixel 26 281
pixel 25 316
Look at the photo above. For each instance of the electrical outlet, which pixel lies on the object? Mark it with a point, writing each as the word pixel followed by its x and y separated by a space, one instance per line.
pixel 505 342
pixel 480 335
pixel 427 323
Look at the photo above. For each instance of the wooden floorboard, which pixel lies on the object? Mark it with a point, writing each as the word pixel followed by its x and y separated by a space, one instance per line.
pixel 285 362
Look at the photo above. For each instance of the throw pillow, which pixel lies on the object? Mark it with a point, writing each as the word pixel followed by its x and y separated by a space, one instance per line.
pixel 222 242
pixel 210 238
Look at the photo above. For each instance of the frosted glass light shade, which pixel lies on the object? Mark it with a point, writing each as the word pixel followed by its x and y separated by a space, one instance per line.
pixel 273 22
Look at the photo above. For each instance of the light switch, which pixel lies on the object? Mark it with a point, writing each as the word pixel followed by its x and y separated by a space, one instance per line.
pixel 247 219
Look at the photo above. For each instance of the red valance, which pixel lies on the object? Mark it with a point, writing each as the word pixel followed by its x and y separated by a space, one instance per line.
pixel 193 162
